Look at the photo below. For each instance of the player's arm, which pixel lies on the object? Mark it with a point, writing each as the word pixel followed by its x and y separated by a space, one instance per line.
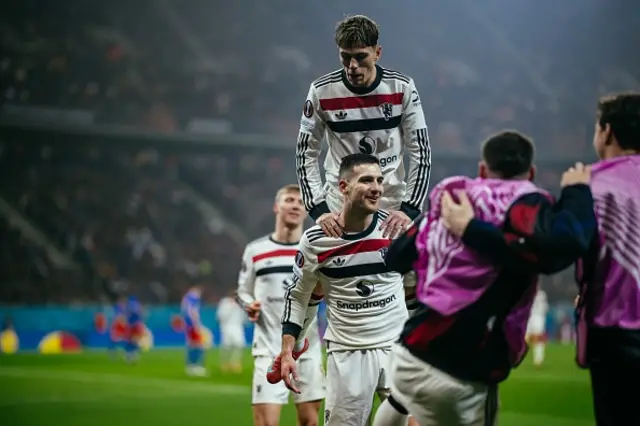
pixel 309 145
pixel 416 140
pixel 402 251
pixel 245 295
pixel 537 231
pixel 298 295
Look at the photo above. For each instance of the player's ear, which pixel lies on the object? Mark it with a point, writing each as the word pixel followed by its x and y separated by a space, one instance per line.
pixel 342 186
pixel 275 207
pixel 532 173
pixel 378 51
pixel 482 169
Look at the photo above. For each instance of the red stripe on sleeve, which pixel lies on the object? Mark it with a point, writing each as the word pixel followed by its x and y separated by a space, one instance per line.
pixel 362 246
pixel 274 253
pixel 353 102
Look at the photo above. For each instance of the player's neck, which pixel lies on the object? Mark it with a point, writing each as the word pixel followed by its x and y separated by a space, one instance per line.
pixel 355 221
pixel 286 235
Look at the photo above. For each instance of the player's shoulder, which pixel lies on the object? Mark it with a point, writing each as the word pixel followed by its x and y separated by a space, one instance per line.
pixel 327 79
pixel 390 76
pixel 311 236
pixel 258 244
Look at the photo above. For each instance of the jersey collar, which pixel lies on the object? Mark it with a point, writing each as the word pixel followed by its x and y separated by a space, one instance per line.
pixel 363 90
pixel 365 233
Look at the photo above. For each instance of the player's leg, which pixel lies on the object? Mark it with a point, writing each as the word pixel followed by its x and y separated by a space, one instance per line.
pixel 352 377
pixel 132 343
pixel 538 340
pixel 434 397
pixel 195 352
pixel 312 389
pixel 615 391
pixel 266 399
pixel 390 412
pixel 235 351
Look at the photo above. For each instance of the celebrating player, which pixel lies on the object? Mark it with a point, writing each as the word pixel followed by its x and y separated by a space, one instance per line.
pixel 364 108
pixel 365 302
pixel 476 302
pixel 190 308
pixel 265 275
pixel 536 326
pixel 231 318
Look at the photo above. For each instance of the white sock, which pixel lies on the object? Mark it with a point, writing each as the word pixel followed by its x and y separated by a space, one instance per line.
pixel 388 414
pixel 235 355
pixel 538 353
pixel 310 314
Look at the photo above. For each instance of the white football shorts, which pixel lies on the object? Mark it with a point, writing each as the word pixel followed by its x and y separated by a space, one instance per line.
pixel 311 384
pixel 232 338
pixel 353 378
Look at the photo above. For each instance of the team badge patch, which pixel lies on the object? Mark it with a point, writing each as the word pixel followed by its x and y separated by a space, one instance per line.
pixel 308 109
pixel 299 259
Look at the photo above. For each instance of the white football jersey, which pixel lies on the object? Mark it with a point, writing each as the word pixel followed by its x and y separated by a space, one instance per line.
pixel 365 301
pixel 383 119
pixel 230 314
pixel 265 275
pixel 540 304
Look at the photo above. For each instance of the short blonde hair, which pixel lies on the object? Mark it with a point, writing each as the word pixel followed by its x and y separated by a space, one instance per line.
pixel 292 187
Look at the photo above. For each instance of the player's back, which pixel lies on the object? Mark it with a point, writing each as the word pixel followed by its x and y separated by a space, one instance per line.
pixel 271 272
pixel 365 301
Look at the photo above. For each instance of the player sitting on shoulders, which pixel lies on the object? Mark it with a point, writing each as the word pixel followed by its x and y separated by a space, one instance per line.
pixel 194 340
pixel 231 318
pixel 264 277
pixel 365 301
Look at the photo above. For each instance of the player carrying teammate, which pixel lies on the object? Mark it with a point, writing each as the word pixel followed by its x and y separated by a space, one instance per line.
pixel 194 340
pixel 365 301
pixel 536 327
pixel 470 331
pixel 231 318
pixel 264 277
pixel 363 107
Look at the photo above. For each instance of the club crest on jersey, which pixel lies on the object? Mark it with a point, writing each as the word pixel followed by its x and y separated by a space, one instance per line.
pixel 387 110
pixel 299 259
pixel 383 252
pixel 308 109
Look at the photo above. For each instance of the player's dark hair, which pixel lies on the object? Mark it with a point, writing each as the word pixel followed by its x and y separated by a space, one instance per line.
pixel 622 113
pixel 349 162
pixel 357 31
pixel 508 154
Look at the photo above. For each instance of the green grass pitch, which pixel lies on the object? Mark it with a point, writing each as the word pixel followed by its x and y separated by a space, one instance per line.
pixel 92 389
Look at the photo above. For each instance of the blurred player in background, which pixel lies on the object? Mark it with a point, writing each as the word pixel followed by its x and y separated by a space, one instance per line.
pixel 118 326
pixel 536 327
pixel 363 107
pixel 231 318
pixel 135 328
pixel 194 340
pixel 264 277
pixel 365 301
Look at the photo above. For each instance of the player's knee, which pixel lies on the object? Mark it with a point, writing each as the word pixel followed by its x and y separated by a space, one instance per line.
pixel 266 415
pixel 308 414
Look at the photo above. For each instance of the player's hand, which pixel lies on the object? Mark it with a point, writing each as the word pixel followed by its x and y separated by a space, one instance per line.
pixel 289 371
pixel 456 216
pixel 331 224
pixel 253 310
pixel 394 224
pixel 576 175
